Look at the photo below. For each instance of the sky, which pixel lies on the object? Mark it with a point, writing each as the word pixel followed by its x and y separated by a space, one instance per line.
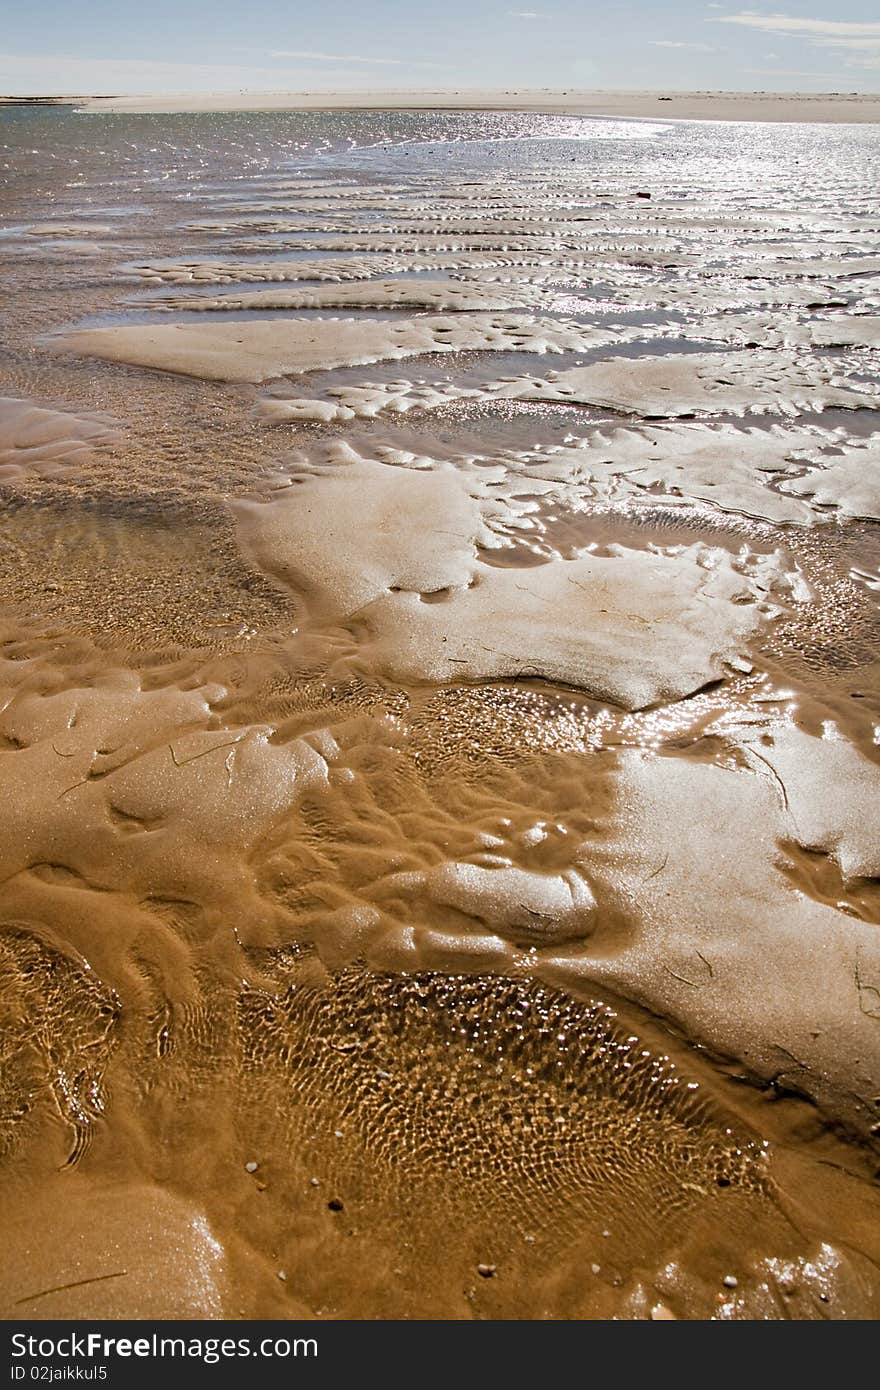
pixel 138 46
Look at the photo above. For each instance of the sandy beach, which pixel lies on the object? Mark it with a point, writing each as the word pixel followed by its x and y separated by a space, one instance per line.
pixel 822 107
pixel 440 702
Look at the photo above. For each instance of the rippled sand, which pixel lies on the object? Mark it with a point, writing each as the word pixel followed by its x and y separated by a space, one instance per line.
pixel 439 711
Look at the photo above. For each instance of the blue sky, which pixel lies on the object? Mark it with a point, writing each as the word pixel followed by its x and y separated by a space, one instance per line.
pixel 133 46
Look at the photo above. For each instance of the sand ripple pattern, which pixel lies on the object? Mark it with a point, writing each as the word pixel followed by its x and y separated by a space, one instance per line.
pixel 439 702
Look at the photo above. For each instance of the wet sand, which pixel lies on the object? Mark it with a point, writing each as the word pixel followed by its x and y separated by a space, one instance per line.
pixel 439 703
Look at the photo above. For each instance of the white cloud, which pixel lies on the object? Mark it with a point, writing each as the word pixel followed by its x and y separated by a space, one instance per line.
pixel 348 58
pixel 857 42
pixel 793 72
pixel 806 28
pixel 64 73
pixel 865 60
pixel 672 43
pixel 847 43
pixel 526 14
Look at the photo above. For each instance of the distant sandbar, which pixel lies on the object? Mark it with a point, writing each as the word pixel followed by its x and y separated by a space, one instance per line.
pixel 824 107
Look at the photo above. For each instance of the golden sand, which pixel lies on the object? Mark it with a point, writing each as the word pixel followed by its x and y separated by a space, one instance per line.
pixel 441 878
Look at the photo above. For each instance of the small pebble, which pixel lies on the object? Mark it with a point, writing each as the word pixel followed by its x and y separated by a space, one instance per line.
pixel 334 1204
pixel 315 1182
pixel 281 1275
pixel 251 1167
pixel 730 1281
pixel 606 1233
pixel 337 1133
pixel 596 1268
pixel 486 1271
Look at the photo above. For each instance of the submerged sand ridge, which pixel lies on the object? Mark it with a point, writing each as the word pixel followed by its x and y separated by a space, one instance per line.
pixel 851 485
pixel 835 330
pixel 802 475
pixel 396 549
pixel 42 441
pixel 653 387
pixel 680 957
pixel 117 786
pixel 477 698
pixel 255 350
pixel 342 269
pixel 441 295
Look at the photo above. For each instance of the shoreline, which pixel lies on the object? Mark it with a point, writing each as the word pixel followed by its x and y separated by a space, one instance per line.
pixel 820 107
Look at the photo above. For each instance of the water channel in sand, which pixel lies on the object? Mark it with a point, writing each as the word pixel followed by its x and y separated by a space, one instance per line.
pixel 439 717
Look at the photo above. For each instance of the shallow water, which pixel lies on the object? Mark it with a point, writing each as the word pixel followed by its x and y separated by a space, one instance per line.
pixel 441 866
